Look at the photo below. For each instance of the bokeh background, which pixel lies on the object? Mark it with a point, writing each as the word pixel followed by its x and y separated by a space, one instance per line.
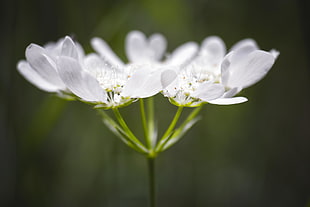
pixel 58 153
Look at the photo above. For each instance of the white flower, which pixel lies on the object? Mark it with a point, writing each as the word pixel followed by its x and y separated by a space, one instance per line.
pixel 188 77
pixel 215 78
pixel 107 81
pixel 40 68
pixel 146 59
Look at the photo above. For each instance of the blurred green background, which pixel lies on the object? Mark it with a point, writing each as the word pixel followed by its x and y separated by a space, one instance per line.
pixel 57 153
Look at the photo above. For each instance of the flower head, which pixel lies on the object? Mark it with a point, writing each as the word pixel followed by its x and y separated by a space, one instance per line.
pixel 105 80
pixel 189 76
pixel 40 67
pixel 215 77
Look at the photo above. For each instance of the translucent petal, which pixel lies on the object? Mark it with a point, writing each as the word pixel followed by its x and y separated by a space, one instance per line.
pixel 95 64
pixel 230 93
pixel 246 43
pixel 228 101
pixel 172 89
pixel 80 82
pixel 209 91
pixel 167 77
pixel 274 53
pixel 33 77
pixel 135 46
pixel 158 43
pixel 213 49
pixel 183 54
pixel 101 47
pixel 210 56
pixel 225 66
pixel 245 70
pixel 142 84
pixel 69 49
pixel 139 49
pixel 43 65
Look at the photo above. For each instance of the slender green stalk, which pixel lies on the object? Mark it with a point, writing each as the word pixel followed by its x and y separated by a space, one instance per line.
pixel 145 125
pixel 173 123
pixel 193 114
pixel 180 131
pixel 151 124
pixel 120 133
pixel 125 126
pixel 164 139
pixel 152 185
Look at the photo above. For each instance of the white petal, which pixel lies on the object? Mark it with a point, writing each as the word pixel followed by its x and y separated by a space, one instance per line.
pixel 246 71
pixel 158 45
pixel 54 47
pixel 136 47
pixel 242 53
pixel 139 49
pixel 80 50
pixel 33 77
pixel 210 56
pixel 209 91
pixel 248 43
pixel 95 65
pixel 69 49
pixel 167 77
pixel 228 101
pixel 143 84
pixel 183 54
pixel 80 82
pixel 101 47
pixel 172 89
pixel 225 66
pixel 43 65
pixel 213 49
pixel 274 53
pixel 230 93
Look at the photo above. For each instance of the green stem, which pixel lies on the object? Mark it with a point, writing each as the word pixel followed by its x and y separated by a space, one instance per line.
pixel 152 186
pixel 151 124
pixel 120 133
pixel 191 117
pixel 125 127
pixel 173 122
pixel 144 124
pixel 164 139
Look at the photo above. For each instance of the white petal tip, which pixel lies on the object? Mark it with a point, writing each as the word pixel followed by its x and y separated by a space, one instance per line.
pixel 228 101
pixel 275 53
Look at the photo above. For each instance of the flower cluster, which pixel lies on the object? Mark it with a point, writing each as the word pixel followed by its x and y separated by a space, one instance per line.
pixel 189 76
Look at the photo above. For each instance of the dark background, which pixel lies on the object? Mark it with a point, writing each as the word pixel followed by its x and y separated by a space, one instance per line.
pixel 55 153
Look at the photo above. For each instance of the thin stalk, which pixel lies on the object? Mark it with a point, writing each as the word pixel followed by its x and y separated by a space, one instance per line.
pixel 193 114
pixel 152 185
pixel 173 122
pixel 120 133
pixel 192 117
pixel 151 127
pixel 144 124
pixel 125 126
pixel 167 135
